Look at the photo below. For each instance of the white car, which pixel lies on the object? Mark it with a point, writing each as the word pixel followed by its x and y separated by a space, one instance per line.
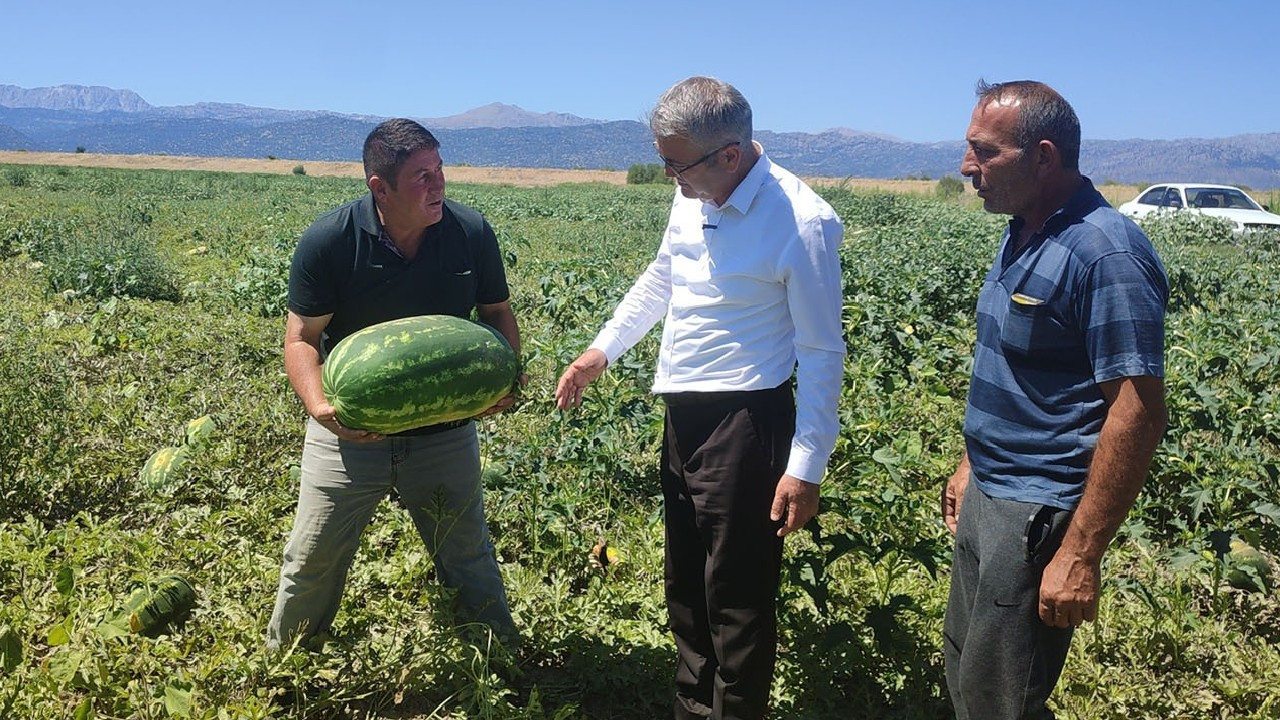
pixel 1223 201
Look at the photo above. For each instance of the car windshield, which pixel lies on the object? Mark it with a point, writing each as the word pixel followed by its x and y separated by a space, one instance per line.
pixel 1211 197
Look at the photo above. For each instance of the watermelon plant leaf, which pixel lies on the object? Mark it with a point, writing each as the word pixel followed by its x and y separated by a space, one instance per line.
pixel 65 580
pixel 177 700
pixel 10 649
pixel 886 456
pixel 1268 510
pixel 58 635
pixel 63 665
pixel 115 626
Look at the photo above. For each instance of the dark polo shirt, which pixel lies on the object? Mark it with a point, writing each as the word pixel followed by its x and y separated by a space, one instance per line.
pixel 341 268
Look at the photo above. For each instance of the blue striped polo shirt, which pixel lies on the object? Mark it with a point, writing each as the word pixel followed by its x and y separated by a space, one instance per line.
pixel 1080 304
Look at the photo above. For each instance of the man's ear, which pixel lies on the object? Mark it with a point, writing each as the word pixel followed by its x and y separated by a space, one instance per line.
pixel 732 157
pixel 1047 156
pixel 377 186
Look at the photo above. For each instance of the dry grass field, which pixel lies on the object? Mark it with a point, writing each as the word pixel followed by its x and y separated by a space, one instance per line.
pixel 519 177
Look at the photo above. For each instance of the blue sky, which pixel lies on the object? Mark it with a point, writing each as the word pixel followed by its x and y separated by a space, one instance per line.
pixel 904 68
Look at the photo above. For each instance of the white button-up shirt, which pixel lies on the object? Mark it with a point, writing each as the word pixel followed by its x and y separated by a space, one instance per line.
pixel 748 289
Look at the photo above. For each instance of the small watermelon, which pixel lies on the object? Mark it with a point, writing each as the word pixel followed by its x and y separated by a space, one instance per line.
pixel 162 466
pixel 604 555
pixel 418 371
pixel 151 611
pixel 199 430
pixel 1250 569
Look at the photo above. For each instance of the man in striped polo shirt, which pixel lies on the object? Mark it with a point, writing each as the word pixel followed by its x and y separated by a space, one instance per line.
pixel 1066 405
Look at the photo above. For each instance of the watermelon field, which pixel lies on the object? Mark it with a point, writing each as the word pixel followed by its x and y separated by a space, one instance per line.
pixel 143 311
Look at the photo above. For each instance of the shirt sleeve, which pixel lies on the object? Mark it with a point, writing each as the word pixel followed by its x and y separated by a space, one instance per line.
pixel 815 299
pixel 493 276
pixel 1122 306
pixel 644 304
pixel 312 289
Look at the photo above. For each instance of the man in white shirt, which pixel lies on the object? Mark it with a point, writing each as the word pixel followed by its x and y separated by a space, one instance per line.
pixel 747 280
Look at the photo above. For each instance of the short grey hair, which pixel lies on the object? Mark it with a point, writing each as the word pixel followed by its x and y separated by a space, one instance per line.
pixel 703 110
pixel 1043 114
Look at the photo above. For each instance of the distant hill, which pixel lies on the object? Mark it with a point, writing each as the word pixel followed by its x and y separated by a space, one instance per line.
pixel 103 120
pixel 72 97
pixel 498 115
pixel 10 138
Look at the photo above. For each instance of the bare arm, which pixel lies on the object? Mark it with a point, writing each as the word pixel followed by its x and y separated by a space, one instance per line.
pixel 303 366
pixel 502 318
pixel 1136 418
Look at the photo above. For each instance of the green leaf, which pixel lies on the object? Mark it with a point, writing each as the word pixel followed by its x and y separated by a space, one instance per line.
pixel 116 626
pixel 886 456
pixel 58 635
pixel 177 700
pixel 65 580
pixel 63 665
pixel 1183 559
pixel 1268 510
pixel 84 711
pixel 10 649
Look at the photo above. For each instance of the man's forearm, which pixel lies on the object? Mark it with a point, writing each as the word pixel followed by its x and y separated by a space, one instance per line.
pixel 1121 460
pixel 303 367
pixel 502 319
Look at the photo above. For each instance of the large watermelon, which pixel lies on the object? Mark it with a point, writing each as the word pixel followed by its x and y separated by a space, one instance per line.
pixel 417 371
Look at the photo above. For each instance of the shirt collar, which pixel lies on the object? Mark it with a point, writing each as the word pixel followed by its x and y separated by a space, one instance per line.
pixel 743 195
pixel 1083 201
pixel 367 217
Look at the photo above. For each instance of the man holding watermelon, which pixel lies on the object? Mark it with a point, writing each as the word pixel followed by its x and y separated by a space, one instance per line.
pixel 402 250
pixel 1065 410
pixel 747 283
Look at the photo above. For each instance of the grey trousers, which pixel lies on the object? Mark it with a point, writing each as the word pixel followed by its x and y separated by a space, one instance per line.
pixel 1001 660
pixel 437 477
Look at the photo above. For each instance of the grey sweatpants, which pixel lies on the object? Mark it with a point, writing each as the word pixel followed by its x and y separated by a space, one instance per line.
pixel 438 479
pixel 1002 661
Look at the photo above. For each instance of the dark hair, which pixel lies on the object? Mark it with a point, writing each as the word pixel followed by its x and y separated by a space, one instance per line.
pixel 1043 114
pixel 390 144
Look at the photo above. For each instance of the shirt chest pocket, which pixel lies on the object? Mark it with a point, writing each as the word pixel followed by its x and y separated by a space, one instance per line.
pixel 1034 330
pixel 456 282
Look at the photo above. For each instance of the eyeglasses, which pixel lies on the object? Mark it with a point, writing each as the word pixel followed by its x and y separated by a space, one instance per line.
pixel 680 170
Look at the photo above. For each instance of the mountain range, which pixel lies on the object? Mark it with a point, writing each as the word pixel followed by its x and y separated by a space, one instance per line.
pixel 95 119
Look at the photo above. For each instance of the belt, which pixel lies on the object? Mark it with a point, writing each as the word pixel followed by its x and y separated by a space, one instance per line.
pixel 433 429
pixel 715 397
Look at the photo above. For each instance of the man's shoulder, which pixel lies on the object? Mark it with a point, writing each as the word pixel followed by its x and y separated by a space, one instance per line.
pixel 467 217
pixel 1102 231
pixel 805 202
pixel 340 219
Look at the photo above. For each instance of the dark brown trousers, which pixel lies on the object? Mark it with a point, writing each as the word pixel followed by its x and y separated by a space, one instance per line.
pixel 722 456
